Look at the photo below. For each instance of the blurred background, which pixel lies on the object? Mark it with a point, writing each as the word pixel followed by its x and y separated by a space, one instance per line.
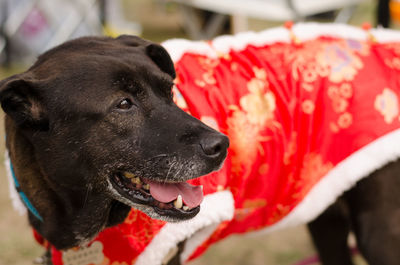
pixel 30 27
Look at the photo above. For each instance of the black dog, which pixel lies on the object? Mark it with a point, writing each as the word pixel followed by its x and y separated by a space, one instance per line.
pixel 86 117
pixel 95 112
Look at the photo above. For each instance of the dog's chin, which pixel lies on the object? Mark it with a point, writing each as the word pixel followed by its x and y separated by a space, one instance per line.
pixel 137 195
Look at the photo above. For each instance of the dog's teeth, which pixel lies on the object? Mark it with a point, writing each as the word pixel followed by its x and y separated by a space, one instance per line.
pixel 129 175
pixel 146 186
pixel 136 180
pixel 185 208
pixel 178 203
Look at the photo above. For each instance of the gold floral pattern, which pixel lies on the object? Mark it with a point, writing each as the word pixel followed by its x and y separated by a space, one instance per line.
pixel 345 90
pixel 291 149
pixel 313 168
pixel 343 63
pixel 260 73
pixel 339 104
pixel 254 113
pixel 339 61
pixel 387 104
pixel 340 96
pixel 259 106
pixel 393 62
pixel 249 206
pixel 207 78
pixel 263 169
pixel 345 120
pixel 234 66
pixel 308 106
pixel 245 139
pixel 280 212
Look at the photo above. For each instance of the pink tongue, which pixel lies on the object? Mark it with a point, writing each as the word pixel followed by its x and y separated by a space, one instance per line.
pixel 166 192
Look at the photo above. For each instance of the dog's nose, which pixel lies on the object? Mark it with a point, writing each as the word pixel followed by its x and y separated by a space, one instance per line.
pixel 214 146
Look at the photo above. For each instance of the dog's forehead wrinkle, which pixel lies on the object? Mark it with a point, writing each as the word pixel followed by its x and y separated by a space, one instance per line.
pixel 85 69
pixel 94 49
pixel 100 46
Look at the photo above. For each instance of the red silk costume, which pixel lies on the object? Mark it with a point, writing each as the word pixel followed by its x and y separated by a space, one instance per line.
pixel 306 120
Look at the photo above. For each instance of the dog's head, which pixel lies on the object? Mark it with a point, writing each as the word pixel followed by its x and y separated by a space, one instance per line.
pixel 99 112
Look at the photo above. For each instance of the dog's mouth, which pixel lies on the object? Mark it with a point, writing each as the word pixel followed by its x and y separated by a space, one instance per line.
pixel 176 200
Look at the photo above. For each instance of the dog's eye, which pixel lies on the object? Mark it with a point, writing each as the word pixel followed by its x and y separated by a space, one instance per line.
pixel 125 104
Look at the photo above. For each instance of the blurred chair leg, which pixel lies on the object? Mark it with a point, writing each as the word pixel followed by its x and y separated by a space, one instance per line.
pixel 199 28
pixel 239 23
pixel 71 23
pixel 4 45
pixel 5 50
pixel 345 14
pixel 103 11
pixel 383 13
pixel 215 25
pixel 192 24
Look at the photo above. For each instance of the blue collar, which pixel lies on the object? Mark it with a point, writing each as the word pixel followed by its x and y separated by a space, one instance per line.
pixel 25 199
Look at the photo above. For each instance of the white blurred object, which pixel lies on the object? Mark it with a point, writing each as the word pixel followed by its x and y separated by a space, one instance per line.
pixel 272 10
pixel 116 23
pixel 34 26
pixel 276 10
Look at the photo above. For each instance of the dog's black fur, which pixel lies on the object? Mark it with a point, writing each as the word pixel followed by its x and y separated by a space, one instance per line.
pixel 94 107
pixel 371 210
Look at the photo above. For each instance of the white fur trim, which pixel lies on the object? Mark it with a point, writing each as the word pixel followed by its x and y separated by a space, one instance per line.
pixel 303 31
pixel 15 199
pixel 216 208
pixel 178 47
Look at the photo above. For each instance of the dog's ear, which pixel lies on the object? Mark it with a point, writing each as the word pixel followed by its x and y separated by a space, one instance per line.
pixel 161 57
pixel 20 101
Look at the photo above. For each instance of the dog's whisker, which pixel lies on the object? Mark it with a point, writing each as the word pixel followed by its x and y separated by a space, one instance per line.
pixel 177 173
pixel 169 171
pixel 157 156
pixel 89 189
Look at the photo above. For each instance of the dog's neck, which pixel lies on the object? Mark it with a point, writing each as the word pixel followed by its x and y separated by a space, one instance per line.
pixel 22 194
pixel 69 217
